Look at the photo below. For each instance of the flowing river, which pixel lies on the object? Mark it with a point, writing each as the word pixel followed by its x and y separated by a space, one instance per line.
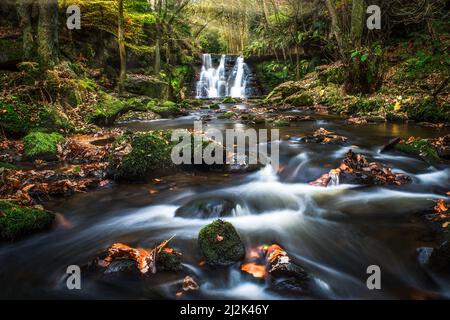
pixel 336 232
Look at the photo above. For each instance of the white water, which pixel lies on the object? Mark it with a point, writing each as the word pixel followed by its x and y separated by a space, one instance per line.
pixel 213 82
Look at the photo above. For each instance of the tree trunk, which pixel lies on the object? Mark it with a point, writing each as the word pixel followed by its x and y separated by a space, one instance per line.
pixel 47 34
pixel 158 36
pixel 357 23
pixel 28 26
pixel 336 30
pixel 122 51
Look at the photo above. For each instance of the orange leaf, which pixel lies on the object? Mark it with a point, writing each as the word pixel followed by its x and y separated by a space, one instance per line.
pixel 256 270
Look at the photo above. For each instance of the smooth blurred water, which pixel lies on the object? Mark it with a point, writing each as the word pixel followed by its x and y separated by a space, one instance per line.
pixel 336 233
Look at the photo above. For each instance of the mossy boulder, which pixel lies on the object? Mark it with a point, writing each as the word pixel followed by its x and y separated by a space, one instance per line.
pixel 166 109
pixel 18 118
pixel 17 221
pixel 168 261
pixel 138 156
pixel 214 106
pixel 229 100
pixel 147 86
pixel 227 115
pixel 421 148
pixel 40 145
pixel 220 244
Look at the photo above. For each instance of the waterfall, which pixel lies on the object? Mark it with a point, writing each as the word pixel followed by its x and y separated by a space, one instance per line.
pixel 214 83
pixel 238 89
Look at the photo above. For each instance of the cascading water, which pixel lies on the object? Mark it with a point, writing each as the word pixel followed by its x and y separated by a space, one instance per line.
pixel 238 89
pixel 214 83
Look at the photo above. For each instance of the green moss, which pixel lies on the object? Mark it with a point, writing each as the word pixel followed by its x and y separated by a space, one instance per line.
pixel 168 261
pixel 220 243
pixel 107 110
pixel 40 145
pixel 17 118
pixel 428 110
pixel 227 115
pixel 280 123
pixel 299 100
pixel 5 165
pixel 365 105
pixel 17 221
pixel 421 148
pixel 229 100
pixel 166 109
pixel 215 106
pixel 149 152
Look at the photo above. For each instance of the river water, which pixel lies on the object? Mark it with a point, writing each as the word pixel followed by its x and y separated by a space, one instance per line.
pixel 336 233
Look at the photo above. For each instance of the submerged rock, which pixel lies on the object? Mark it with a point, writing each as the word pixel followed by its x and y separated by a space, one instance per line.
pixel 423 255
pixel 207 208
pixel 440 258
pixel 220 244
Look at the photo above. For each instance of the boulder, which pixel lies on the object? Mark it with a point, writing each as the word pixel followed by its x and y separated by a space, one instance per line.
pixel 220 244
pixel 43 146
pixel 17 221
pixel 147 86
pixel 138 156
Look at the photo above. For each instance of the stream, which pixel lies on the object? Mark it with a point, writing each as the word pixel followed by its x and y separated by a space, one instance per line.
pixel 335 232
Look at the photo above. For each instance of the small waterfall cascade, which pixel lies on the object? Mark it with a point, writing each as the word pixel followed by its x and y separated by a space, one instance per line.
pixel 220 82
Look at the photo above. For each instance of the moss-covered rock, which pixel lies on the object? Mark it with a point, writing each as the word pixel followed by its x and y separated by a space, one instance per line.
pixel 229 100
pixel 18 118
pixel 227 115
pixel 147 86
pixel 40 145
pixel 220 244
pixel 214 106
pixel 166 109
pixel 421 148
pixel 280 123
pixel 138 156
pixel 168 261
pixel 17 221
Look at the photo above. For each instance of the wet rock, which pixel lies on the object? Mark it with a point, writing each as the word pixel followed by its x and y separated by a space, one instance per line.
pixel 421 148
pixel 440 258
pixel 357 121
pixel 207 209
pixel 220 244
pixel 355 169
pixel 274 263
pixel 391 144
pixel 326 137
pixel 168 260
pixel 122 266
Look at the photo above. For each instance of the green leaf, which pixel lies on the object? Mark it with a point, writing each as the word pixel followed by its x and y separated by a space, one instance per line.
pixel 364 57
